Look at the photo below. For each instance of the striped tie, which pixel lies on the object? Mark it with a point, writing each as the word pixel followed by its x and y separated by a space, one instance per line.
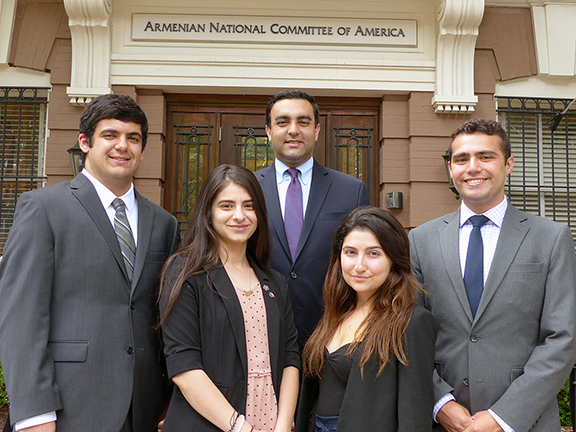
pixel 124 234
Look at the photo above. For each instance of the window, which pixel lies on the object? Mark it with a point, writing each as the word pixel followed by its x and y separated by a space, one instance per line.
pixel 543 181
pixel 22 129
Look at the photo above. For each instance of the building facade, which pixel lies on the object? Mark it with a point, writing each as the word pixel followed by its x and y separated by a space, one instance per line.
pixel 393 78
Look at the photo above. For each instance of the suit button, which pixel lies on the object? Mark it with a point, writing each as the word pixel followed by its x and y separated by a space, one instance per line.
pixel 132 306
pixel 474 338
pixel 465 381
pixel 293 275
pixel 130 350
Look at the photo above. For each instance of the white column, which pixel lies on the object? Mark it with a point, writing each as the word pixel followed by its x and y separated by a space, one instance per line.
pixel 555 37
pixel 90 27
pixel 458 22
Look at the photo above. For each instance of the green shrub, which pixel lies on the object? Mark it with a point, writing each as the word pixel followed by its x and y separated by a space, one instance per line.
pixel 564 405
pixel 3 400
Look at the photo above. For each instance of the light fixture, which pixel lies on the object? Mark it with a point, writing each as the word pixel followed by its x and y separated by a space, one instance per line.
pixel 76 160
pixel 446 157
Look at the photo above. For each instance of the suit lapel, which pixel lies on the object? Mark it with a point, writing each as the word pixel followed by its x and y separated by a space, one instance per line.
pixel 145 226
pixel 449 243
pixel 84 191
pixel 511 237
pixel 222 285
pixel 318 190
pixel 270 190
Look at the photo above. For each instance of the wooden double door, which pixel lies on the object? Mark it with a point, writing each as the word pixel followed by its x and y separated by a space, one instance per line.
pixel 206 131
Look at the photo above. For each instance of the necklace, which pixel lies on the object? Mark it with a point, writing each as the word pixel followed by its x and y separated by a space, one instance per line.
pixel 247 292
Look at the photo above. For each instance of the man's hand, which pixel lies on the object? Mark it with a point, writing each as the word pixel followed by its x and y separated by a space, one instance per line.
pixel 483 421
pixel 454 417
pixel 46 427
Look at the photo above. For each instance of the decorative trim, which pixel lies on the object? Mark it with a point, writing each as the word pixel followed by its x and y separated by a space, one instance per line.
pixel 555 36
pixel 458 22
pixel 90 27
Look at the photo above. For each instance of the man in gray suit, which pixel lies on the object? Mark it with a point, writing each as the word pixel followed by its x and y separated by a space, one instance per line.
pixel 505 335
pixel 78 287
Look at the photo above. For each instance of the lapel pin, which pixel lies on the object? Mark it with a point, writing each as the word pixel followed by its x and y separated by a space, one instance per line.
pixel 271 294
pixel 265 287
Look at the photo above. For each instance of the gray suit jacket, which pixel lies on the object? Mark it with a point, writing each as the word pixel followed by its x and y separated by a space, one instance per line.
pixel 75 336
pixel 514 356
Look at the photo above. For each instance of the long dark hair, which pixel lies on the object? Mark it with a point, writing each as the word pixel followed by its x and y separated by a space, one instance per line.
pixel 384 327
pixel 199 249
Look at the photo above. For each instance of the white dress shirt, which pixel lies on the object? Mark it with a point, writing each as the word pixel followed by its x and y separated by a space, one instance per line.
pixel 283 179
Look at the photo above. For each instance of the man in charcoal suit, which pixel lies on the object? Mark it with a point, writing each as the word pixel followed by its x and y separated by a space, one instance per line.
pixel 305 207
pixel 78 288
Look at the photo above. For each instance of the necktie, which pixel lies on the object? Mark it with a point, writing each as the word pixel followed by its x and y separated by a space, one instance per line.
pixel 474 270
pixel 125 237
pixel 293 214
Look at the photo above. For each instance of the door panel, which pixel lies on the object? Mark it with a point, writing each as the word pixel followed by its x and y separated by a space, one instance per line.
pixel 193 152
pixel 201 138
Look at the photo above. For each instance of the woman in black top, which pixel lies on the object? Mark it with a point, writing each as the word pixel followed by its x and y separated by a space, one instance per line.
pixel 368 365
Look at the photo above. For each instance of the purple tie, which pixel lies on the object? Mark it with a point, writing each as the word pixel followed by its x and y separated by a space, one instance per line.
pixel 293 214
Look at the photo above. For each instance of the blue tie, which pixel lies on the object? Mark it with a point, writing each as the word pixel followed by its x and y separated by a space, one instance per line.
pixel 293 213
pixel 474 270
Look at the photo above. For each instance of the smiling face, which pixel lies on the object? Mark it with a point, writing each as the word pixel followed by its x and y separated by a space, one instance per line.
pixel 479 170
pixel 114 153
pixel 365 266
pixel 233 216
pixel 292 132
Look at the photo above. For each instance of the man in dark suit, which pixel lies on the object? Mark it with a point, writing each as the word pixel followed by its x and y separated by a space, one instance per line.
pixel 501 285
pixel 78 288
pixel 304 210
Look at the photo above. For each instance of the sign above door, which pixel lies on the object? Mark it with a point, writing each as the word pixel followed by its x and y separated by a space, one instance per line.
pixel 283 30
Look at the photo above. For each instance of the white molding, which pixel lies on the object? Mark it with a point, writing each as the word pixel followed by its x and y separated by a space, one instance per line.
pixel 458 22
pixel 7 18
pixel 555 37
pixel 90 27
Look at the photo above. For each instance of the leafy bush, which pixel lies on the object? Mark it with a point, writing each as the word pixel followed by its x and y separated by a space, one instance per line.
pixel 564 405
pixel 3 400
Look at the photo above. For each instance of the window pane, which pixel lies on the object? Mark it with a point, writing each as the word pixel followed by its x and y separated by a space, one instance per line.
pixel 22 127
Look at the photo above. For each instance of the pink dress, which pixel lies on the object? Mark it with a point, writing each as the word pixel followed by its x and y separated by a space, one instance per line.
pixel 261 404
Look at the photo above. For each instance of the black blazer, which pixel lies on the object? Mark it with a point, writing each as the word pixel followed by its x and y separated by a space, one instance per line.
pixel 400 399
pixel 205 330
pixel 332 196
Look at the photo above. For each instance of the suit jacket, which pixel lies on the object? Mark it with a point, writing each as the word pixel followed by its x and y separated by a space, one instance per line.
pixel 332 196
pixel 515 355
pixel 400 399
pixel 75 336
pixel 205 330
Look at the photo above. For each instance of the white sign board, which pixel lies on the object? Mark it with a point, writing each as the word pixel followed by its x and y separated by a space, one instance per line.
pixel 285 30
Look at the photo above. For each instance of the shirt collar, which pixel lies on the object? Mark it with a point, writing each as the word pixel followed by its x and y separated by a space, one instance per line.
pixel 305 171
pixel 107 196
pixel 495 214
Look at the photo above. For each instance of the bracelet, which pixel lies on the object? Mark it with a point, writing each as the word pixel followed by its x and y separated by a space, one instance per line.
pixel 235 420
pixel 242 418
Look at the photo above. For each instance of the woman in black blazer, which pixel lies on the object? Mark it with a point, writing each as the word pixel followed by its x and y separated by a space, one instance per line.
pixel 368 365
pixel 227 324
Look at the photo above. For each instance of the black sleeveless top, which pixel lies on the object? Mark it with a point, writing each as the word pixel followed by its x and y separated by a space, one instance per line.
pixel 333 380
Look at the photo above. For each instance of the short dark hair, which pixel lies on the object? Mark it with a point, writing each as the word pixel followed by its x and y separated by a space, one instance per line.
pixel 292 94
pixel 487 127
pixel 111 106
